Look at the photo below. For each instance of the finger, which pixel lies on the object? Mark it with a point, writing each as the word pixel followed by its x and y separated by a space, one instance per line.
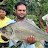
pixel 30 39
pixel 26 38
pixel 33 38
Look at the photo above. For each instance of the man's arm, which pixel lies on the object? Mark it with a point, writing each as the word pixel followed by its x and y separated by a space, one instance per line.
pixel 40 21
pixel 11 21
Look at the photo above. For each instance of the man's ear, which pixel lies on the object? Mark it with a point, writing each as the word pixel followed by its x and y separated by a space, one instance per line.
pixel 5 13
pixel 15 10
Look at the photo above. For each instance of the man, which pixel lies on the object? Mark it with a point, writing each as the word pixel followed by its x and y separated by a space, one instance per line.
pixel 3 19
pixel 46 28
pixel 3 22
pixel 20 10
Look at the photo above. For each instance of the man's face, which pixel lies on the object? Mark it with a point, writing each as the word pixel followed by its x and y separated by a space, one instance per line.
pixel 21 11
pixel 2 13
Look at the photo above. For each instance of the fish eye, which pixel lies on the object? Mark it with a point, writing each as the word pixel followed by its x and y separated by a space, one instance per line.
pixel 3 30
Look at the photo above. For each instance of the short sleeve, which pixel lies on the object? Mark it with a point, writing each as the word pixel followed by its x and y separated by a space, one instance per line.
pixel 11 21
pixel 45 17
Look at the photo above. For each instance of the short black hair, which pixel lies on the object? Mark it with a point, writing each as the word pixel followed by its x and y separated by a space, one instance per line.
pixel 2 9
pixel 20 3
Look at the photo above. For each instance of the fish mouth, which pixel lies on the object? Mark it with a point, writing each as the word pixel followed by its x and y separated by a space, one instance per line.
pixel 4 38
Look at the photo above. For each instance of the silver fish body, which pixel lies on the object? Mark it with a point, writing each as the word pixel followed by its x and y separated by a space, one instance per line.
pixel 20 30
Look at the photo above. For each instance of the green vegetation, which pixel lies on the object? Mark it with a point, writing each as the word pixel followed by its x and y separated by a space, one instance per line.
pixel 35 9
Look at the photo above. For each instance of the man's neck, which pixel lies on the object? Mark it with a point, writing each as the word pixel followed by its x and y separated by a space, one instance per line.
pixel 2 18
pixel 20 19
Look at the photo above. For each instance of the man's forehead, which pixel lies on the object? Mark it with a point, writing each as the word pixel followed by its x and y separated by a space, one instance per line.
pixel 1 10
pixel 21 7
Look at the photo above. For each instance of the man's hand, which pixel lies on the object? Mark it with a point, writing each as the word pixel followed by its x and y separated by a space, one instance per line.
pixel 45 28
pixel 30 39
pixel 2 47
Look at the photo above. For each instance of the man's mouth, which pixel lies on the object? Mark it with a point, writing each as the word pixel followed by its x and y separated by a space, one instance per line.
pixel 1 15
pixel 21 15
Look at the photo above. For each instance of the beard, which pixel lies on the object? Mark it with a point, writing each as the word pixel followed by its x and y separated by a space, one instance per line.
pixel 21 17
pixel 2 16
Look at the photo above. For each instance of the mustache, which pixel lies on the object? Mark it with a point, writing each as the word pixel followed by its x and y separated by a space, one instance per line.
pixel 22 13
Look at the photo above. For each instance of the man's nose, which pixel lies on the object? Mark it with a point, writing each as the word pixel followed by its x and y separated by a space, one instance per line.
pixel 21 11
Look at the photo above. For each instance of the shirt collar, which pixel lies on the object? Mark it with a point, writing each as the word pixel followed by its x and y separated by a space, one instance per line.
pixel 16 18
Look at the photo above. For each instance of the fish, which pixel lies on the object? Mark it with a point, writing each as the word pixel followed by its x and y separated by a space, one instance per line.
pixel 22 29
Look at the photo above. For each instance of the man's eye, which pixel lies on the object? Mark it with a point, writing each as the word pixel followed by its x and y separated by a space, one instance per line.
pixel 2 12
pixel 19 10
pixel 24 10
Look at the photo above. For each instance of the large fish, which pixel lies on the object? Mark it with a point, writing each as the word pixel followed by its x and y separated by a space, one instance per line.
pixel 22 29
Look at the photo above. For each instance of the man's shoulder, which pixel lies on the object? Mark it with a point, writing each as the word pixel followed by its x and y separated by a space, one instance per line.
pixel 7 18
pixel 45 17
pixel 11 21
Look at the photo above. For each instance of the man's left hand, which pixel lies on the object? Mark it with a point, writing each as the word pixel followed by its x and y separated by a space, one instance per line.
pixel 30 39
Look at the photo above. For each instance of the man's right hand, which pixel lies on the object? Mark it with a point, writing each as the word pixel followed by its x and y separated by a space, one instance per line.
pixel 45 28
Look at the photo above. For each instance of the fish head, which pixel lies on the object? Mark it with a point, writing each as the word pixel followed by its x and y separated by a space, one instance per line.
pixel 6 31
